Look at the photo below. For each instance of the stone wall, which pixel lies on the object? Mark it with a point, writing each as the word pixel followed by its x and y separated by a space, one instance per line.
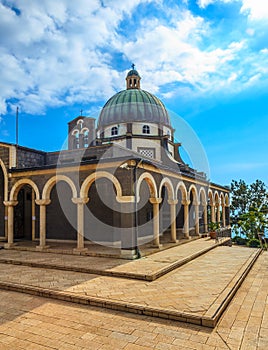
pixel 4 155
pixel 28 158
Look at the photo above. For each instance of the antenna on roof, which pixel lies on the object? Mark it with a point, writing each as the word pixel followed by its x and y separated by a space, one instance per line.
pixel 17 134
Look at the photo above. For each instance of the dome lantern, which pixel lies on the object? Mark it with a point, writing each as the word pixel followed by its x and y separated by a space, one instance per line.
pixel 133 78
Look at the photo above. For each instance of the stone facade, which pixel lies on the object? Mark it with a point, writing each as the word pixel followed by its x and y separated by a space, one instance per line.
pixel 123 190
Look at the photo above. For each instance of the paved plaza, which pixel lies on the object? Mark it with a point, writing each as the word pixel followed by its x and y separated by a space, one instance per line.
pixel 196 290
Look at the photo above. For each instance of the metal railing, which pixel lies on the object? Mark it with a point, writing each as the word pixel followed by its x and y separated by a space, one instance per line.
pixel 223 233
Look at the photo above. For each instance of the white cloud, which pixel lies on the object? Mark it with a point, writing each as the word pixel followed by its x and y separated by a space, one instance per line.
pixel 174 54
pixel 205 3
pixel 55 49
pixel 58 53
pixel 256 9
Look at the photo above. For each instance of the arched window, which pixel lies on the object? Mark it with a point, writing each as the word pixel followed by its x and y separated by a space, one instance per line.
pixel 80 123
pixel 146 129
pixel 75 139
pixel 85 138
pixel 114 131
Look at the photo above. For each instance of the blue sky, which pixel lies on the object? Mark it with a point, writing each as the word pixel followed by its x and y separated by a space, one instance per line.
pixel 207 60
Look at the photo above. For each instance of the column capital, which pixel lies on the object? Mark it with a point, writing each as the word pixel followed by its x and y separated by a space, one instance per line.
pixel 172 201
pixel 42 201
pixel 83 200
pixel 155 200
pixel 196 203
pixel 185 202
pixel 204 203
pixel 126 199
pixel 10 203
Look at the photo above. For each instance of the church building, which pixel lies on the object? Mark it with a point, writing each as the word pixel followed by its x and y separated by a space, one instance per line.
pixel 121 183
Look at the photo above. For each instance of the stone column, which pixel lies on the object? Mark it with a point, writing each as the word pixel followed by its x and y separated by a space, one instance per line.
pixel 173 204
pixel 212 208
pixel 185 204
pixel 156 202
pixel 218 212
pixel 33 215
pixel 80 202
pixel 223 216
pixel 6 222
pixel 130 233
pixel 196 210
pixel 227 216
pixel 42 235
pixel 205 211
pixel 10 223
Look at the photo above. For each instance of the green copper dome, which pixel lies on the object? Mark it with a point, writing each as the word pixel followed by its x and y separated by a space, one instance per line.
pixel 133 105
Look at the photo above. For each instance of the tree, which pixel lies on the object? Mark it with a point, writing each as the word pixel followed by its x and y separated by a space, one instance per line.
pixel 249 207
pixel 253 222
pixel 239 197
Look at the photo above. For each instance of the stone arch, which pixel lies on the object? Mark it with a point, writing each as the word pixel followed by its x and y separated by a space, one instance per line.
pixel 203 210
pixel 218 211
pixel 51 183
pixel 222 199
pixel 226 200
pixel 211 197
pixel 216 197
pixel 202 195
pixel 168 184
pixel 223 211
pixel 192 196
pixel 193 189
pixel 19 184
pixel 61 212
pixel 97 175
pixel 23 224
pixel 2 165
pixel 181 186
pixel 150 182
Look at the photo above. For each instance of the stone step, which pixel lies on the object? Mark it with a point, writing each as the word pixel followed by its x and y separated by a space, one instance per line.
pixel 149 268
pixel 197 293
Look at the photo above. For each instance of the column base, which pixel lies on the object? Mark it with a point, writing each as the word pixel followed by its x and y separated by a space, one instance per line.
pixel 204 235
pixel 157 245
pixel 174 241
pixel 79 250
pixel 9 245
pixel 40 248
pixel 129 254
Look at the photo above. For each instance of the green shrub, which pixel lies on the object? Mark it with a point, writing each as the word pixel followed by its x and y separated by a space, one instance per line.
pixel 239 240
pixel 253 243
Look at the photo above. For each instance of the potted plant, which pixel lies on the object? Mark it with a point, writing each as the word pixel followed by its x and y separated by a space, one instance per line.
pixel 213 226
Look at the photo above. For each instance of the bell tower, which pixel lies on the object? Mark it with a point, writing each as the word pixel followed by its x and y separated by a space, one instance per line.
pixel 133 79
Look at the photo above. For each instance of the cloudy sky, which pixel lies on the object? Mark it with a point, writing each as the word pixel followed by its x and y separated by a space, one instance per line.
pixel 207 60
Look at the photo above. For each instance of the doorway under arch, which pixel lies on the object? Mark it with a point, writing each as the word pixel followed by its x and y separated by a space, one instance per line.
pixel 2 207
pixel 25 214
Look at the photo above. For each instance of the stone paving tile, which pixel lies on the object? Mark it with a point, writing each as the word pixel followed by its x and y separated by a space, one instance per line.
pixel 147 265
pixel 30 322
pixel 192 288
